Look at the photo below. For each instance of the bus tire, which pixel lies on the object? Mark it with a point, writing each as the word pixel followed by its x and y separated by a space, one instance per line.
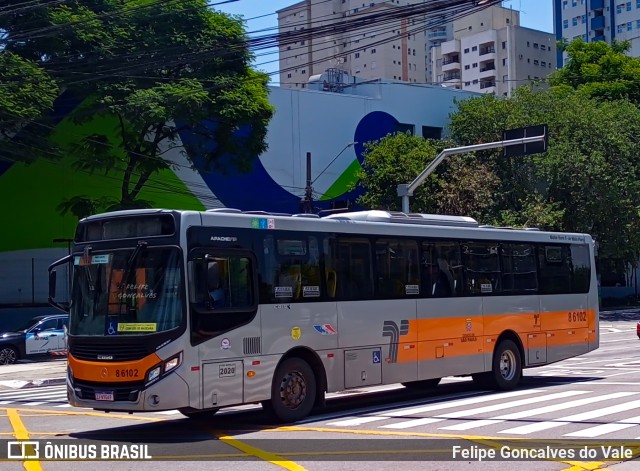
pixel 424 384
pixel 506 368
pixel 198 414
pixel 293 392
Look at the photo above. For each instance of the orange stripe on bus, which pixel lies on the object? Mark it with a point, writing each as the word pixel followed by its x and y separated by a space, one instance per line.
pixel 112 372
pixel 433 338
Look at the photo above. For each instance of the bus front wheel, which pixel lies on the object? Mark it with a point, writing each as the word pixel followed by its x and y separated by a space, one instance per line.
pixel 293 392
pixel 506 368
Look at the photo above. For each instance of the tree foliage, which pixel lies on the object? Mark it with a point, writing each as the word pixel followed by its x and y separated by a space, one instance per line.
pixel 27 92
pixel 587 181
pixel 600 70
pixel 162 69
pixel 461 186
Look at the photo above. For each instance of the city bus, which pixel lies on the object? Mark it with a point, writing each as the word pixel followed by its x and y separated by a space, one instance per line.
pixel 196 311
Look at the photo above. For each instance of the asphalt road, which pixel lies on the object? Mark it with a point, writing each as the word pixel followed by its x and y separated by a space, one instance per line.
pixel 584 405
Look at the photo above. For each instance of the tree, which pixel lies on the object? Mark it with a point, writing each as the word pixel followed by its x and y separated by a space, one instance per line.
pixel 600 70
pixel 161 71
pixel 460 185
pixel 26 93
pixel 588 179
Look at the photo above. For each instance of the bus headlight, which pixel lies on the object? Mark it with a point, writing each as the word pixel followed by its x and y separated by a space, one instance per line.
pixel 171 363
pixel 163 368
pixel 153 374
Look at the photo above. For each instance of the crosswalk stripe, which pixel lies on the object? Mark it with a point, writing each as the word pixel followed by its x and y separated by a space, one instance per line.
pixel 540 410
pixel 433 407
pixel 518 415
pixel 30 394
pixel 606 428
pixel 482 410
pixel 412 423
pixel 537 427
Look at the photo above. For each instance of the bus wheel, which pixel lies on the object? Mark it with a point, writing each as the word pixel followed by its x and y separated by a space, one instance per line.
pixel 198 414
pixel 422 384
pixel 293 392
pixel 506 370
pixel 8 355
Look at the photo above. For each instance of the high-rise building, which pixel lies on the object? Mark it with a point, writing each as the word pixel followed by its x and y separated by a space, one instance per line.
pixel 491 53
pixel 388 51
pixel 597 20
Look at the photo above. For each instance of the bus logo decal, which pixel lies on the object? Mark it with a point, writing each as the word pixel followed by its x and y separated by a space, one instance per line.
pixel 390 329
pixel 326 329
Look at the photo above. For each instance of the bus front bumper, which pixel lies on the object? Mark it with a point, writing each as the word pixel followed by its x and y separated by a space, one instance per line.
pixel 171 392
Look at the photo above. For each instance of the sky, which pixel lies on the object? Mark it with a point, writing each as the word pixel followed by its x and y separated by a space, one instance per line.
pixel 261 14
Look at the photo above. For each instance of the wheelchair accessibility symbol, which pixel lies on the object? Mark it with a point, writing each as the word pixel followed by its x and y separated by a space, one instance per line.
pixel 376 357
pixel 112 330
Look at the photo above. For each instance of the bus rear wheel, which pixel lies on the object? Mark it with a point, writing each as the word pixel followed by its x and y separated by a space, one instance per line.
pixel 198 414
pixel 293 392
pixel 506 368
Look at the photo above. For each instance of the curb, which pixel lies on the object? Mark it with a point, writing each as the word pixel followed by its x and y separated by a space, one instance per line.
pixel 34 383
pixel 43 382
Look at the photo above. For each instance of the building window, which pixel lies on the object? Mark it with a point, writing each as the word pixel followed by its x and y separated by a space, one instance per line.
pixel 574 3
pixel 535 45
pixel 584 19
pixel 628 6
pixel 429 132
pixel 565 24
pixel 466 84
pixel 543 63
pixel 288 75
pixel 357 55
pixel 466 51
pixel 619 9
pixel 536 62
pixel 620 29
pixel 504 43
pixel 629 26
pixel 475 64
pixel 504 61
pixel 467 67
pixel 304 71
pixel 474 48
pixel 574 21
pixel 475 81
pixel 543 47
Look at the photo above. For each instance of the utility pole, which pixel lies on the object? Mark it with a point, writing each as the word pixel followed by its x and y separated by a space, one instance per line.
pixel 307 202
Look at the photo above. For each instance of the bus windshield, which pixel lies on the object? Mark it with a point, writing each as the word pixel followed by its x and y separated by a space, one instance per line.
pixel 127 292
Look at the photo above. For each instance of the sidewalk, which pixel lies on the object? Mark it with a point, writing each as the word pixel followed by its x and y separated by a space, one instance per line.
pixel 30 374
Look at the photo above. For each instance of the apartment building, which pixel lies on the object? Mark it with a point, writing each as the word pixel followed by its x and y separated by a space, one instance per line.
pixel 387 51
pixel 597 20
pixel 491 53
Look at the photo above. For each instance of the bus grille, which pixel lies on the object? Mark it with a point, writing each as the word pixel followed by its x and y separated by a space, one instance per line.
pixel 251 345
pixel 128 392
pixel 126 352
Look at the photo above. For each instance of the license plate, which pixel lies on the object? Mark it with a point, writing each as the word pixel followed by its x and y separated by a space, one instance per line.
pixel 227 370
pixel 104 396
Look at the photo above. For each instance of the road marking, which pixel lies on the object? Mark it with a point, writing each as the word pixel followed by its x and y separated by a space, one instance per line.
pixel 482 410
pixel 606 428
pixel 538 411
pixel 20 432
pixel 568 420
pixel 432 407
pixel 258 453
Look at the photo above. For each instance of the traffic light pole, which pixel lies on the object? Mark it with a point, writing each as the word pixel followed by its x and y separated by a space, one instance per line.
pixel 406 190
